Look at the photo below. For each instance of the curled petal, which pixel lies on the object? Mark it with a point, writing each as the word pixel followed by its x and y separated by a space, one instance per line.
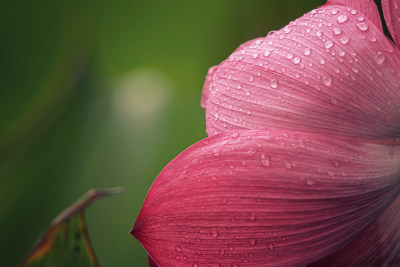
pixel 391 12
pixel 366 7
pixel 378 245
pixel 257 198
pixel 331 72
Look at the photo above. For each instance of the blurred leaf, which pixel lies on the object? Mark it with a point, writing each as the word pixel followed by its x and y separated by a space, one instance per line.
pixel 66 242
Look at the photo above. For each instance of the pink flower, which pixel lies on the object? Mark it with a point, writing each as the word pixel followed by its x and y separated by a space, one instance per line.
pixel 301 166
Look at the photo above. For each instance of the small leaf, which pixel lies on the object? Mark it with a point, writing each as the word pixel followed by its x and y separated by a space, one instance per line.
pixel 66 241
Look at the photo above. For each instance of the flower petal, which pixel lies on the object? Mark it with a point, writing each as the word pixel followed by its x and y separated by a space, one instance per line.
pixel 378 245
pixel 366 7
pixel 255 198
pixel 332 72
pixel 391 12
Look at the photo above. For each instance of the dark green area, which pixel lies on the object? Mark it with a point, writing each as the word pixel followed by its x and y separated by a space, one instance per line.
pixel 102 94
pixel 69 247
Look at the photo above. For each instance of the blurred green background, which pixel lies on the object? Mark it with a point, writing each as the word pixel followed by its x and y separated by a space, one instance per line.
pixel 105 93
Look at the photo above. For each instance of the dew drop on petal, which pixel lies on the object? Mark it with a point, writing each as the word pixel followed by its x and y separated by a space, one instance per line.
pixel 274 83
pixel 270 247
pixel 195 265
pixel 337 31
pixel 179 249
pixel 379 58
pixel 296 60
pixel 265 160
pixel 214 232
pixel 252 216
pixel 307 51
pixel 327 81
pixel 310 181
pixel 342 18
pixel 287 29
pixel 267 52
pixel 344 40
pixel 252 242
pixel 331 173
pixel 221 252
pixel 333 100
pixel 289 56
pixel 360 18
pixel 288 165
pixel 328 44
pixel 362 26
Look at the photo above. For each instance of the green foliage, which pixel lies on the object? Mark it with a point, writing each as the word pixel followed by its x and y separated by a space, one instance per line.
pixel 66 242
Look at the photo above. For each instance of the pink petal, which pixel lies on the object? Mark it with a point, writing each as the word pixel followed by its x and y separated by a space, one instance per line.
pixel 366 7
pixel 391 12
pixel 378 245
pixel 257 198
pixel 207 86
pixel 332 72
pixel 210 78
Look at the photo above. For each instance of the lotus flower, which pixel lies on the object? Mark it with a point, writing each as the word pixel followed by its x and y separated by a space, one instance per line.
pixel 302 163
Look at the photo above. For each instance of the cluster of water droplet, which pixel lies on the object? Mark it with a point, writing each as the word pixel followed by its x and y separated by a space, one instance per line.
pixel 319 53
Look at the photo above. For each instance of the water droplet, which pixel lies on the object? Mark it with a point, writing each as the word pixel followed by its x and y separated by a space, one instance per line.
pixel 267 52
pixel 319 33
pixel 270 247
pixel 334 12
pixel 195 265
pixel 379 58
pixel 327 81
pixel 177 257
pixel 221 252
pixel 250 152
pixel 321 60
pixel 310 181
pixel 287 29
pixel 342 18
pixel 214 232
pixel 255 55
pixel 307 51
pixel 274 83
pixel 252 242
pixel 265 160
pixel 360 18
pixel 328 44
pixel 289 56
pixel 354 69
pixel 333 100
pixel 331 173
pixel 179 249
pixel 362 26
pixel 337 31
pixel 344 40
pixel 288 165
pixel 252 216
pixel 296 60
pixel 224 200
